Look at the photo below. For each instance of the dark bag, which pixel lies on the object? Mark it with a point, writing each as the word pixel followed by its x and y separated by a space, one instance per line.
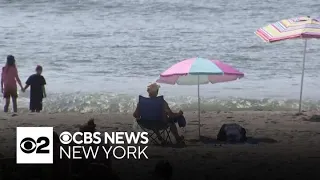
pixel 223 135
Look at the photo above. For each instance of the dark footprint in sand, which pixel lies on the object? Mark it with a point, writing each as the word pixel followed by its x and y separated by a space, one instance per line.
pixel 13 115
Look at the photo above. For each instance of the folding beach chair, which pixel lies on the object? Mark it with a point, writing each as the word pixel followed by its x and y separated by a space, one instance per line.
pixel 152 114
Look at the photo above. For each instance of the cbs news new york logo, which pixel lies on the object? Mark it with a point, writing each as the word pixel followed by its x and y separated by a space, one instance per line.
pixel 34 145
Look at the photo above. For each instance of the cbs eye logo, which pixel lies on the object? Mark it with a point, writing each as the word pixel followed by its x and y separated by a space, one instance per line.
pixel 65 138
pixel 29 145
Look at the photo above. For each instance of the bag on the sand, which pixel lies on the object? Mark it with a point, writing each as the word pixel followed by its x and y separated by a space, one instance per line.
pixel 232 133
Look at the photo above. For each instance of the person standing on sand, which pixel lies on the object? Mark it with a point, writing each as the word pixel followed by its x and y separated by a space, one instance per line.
pixel 38 91
pixel 9 79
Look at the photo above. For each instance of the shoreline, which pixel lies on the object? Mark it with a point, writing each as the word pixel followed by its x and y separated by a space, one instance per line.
pixel 82 102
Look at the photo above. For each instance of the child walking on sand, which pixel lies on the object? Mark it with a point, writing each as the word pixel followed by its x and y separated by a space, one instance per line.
pixel 9 79
pixel 38 91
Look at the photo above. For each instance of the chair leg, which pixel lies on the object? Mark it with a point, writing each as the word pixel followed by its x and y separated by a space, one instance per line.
pixel 153 138
pixel 150 135
pixel 168 136
pixel 164 134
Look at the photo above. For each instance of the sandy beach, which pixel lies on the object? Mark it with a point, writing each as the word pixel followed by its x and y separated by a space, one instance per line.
pixel 281 144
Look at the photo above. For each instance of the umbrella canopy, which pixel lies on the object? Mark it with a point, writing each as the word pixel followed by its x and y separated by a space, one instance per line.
pixel 300 27
pixel 196 71
pixel 189 71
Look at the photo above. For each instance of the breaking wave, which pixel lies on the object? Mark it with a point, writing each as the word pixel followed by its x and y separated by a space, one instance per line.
pixel 122 103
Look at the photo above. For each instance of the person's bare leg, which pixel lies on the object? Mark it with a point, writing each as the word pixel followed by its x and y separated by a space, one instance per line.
pixel 6 106
pixel 174 131
pixel 14 104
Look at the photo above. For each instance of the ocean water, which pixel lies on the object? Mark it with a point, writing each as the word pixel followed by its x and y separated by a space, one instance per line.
pixel 98 55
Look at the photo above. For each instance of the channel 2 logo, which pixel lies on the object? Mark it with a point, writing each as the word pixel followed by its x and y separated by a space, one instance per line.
pixel 29 145
pixel 34 145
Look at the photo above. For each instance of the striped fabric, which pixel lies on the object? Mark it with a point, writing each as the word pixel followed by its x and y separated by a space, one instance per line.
pixel 300 27
pixel 196 71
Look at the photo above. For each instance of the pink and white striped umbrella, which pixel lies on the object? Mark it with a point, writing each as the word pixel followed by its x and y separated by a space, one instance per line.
pixel 293 28
pixel 196 71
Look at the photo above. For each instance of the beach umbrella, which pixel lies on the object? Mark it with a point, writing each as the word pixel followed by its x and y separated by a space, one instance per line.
pixel 300 27
pixel 197 71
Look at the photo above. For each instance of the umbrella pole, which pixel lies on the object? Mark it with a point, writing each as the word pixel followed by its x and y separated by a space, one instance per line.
pixel 199 124
pixel 302 74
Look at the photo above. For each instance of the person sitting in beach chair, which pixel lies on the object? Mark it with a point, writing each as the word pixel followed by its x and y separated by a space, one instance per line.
pixel 154 113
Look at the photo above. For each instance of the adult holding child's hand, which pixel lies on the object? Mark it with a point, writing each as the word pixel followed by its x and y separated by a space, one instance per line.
pixel 9 80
